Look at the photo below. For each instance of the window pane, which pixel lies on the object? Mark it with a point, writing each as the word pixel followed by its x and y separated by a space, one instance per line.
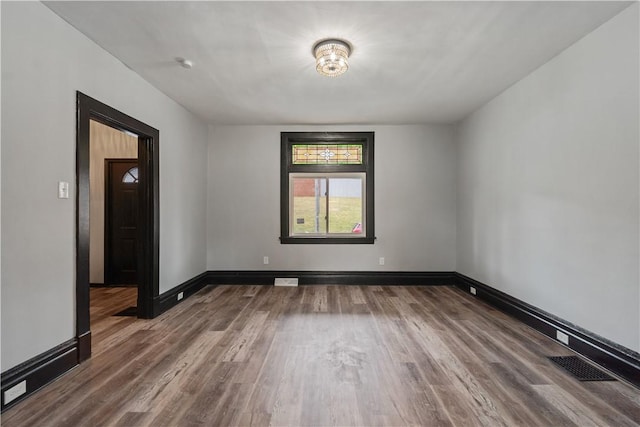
pixel 131 176
pixel 346 206
pixel 309 206
pixel 327 154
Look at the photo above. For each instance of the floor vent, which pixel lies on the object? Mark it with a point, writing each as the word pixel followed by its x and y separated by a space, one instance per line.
pixel 128 312
pixel 286 281
pixel 580 369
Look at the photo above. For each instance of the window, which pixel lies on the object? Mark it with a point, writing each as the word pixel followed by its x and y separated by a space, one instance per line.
pixel 326 187
pixel 131 176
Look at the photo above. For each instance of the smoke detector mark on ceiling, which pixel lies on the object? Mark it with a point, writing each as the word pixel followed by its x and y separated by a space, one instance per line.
pixel 185 63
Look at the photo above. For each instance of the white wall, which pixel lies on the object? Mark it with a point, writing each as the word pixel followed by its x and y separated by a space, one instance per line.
pixel 414 202
pixel 104 143
pixel 548 196
pixel 44 62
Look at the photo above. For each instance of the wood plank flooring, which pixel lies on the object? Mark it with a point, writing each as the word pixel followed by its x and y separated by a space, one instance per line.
pixel 321 356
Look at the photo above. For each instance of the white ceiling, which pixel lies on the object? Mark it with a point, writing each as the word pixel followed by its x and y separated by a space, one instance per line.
pixel 412 62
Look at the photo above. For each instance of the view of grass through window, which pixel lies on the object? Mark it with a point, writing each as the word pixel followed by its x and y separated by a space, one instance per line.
pixel 326 204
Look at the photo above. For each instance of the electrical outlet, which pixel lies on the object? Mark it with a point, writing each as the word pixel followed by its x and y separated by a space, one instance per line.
pixel 265 260
pixel 472 290
pixel 562 337
pixel 180 295
pixel 14 392
pixel 381 260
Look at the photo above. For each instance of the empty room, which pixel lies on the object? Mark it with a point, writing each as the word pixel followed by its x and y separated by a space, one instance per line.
pixel 318 213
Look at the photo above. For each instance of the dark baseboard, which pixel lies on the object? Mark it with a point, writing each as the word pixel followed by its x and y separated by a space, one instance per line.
pixel 387 278
pixel 266 277
pixel 108 285
pixel 169 299
pixel 84 346
pixel 621 361
pixel 40 370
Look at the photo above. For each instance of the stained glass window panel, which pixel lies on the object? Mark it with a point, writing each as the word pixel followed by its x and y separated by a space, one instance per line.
pixel 327 154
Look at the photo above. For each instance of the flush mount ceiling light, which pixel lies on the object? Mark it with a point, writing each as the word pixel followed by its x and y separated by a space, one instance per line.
pixel 332 57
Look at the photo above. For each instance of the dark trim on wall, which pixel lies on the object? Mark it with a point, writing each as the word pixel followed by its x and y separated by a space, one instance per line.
pixel 621 361
pixel 40 370
pixel 169 299
pixel 287 140
pixel 387 278
pixel 102 285
pixel 84 346
pixel 88 109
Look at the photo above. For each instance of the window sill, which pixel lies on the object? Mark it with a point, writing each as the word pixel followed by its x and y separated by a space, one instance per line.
pixel 328 240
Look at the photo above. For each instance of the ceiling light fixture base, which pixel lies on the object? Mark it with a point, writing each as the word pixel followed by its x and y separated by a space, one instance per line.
pixel 332 57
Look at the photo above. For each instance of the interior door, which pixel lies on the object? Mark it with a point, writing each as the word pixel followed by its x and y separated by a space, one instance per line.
pixel 121 217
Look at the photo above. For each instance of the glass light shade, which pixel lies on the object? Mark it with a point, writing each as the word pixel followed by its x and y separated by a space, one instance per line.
pixel 332 57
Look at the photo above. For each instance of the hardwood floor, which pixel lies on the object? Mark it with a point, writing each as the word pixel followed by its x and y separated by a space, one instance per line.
pixel 105 302
pixel 324 355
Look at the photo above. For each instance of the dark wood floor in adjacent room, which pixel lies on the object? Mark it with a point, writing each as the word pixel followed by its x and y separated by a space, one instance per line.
pixel 321 355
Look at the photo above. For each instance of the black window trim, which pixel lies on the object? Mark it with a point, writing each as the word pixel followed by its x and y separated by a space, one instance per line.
pixel 287 140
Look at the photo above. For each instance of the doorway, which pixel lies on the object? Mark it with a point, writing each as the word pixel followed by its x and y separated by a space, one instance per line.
pixel 146 212
pixel 121 222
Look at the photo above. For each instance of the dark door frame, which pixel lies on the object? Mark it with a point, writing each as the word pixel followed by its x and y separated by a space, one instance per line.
pixel 148 213
pixel 108 276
